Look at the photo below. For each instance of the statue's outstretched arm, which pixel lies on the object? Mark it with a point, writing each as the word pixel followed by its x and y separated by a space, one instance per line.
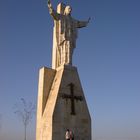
pixel 81 24
pixel 53 13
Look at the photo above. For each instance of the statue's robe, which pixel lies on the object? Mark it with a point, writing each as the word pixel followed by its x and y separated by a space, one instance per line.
pixel 66 34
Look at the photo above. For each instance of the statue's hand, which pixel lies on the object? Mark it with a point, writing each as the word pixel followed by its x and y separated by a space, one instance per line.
pixel 89 19
pixel 49 4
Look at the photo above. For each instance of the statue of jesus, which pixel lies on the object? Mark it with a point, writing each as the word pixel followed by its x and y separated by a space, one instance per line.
pixel 65 33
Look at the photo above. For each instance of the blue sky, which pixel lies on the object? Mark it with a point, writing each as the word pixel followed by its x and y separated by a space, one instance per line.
pixel 107 57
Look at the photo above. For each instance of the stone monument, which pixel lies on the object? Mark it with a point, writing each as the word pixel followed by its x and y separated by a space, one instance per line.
pixel 61 101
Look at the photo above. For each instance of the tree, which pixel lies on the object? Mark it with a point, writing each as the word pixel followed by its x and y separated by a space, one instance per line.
pixel 25 111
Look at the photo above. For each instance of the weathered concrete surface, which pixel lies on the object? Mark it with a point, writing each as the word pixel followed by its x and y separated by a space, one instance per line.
pixel 56 111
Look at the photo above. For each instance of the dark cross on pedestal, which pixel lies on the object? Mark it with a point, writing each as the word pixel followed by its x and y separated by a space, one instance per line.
pixel 72 98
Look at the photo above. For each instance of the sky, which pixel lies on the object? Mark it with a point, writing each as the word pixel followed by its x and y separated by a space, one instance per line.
pixel 107 57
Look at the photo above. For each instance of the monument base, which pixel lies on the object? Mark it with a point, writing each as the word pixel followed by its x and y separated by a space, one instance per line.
pixel 61 105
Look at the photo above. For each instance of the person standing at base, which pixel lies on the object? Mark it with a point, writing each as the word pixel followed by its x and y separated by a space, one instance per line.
pixel 67 135
pixel 71 135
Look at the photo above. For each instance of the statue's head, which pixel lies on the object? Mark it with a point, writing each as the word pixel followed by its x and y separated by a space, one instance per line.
pixel 68 10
